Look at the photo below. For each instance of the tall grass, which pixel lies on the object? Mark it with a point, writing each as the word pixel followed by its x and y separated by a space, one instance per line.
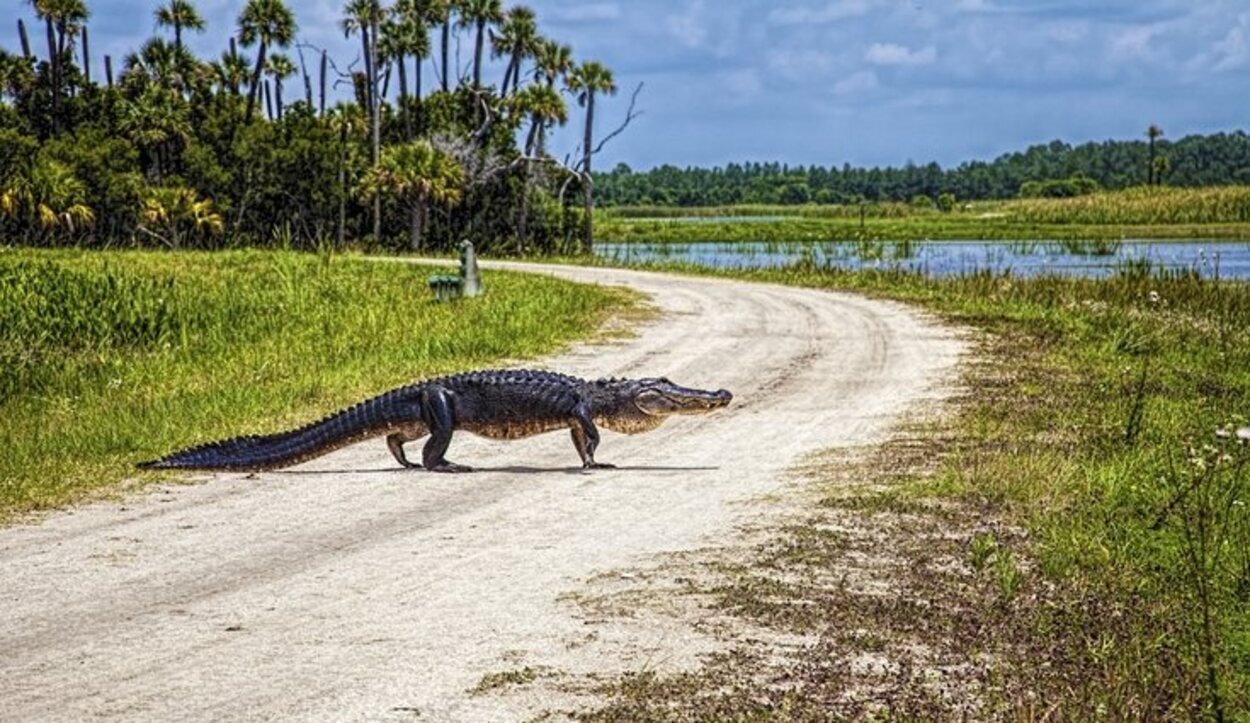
pixel 1138 206
pixel 109 358
pixel 1105 424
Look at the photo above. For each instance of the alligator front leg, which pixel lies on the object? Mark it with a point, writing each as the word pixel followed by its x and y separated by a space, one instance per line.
pixel 438 417
pixel 586 438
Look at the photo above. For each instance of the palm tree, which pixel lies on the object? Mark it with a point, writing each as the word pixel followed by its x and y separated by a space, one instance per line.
pixel 364 16
pixel 553 61
pixel 1153 133
pixel 438 12
pixel 279 67
pixel 231 72
pixel 179 14
pixel 63 18
pixel 518 39
pixel 588 80
pixel 478 14
pixel 177 211
pixel 414 18
pixel 267 22
pixel 416 174
pixel 346 119
pixel 544 106
pixel 161 64
pixel 17 77
pixel 50 194
pixel 156 121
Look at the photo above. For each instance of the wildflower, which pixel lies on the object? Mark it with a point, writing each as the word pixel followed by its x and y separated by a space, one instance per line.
pixel 1154 297
pixel 1244 434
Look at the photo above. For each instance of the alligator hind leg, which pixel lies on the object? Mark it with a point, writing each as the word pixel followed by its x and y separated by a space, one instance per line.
pixel 396 441
pixel 438 417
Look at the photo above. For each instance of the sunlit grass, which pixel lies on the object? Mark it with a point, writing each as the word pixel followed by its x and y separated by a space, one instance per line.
pixel 111 358
pixel 1106 425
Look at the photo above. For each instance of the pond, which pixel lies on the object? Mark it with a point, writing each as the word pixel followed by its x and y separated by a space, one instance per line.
pixel 1211 259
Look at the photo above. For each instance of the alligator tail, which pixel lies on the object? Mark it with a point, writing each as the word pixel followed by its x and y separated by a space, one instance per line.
pixel 367 419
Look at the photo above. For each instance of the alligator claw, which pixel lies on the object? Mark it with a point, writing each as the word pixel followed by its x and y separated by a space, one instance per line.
pixel 451 468
pixel 599 465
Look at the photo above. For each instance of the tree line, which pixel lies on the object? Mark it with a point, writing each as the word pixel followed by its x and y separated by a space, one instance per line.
pixel 166 148
pixel 1053 169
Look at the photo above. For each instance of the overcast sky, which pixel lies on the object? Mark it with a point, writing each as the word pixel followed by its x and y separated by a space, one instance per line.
pixel 866 82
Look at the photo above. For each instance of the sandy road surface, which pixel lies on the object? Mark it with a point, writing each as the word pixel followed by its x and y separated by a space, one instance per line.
pixel 345 589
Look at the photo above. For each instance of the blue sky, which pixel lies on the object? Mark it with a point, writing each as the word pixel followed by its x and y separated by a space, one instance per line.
pixel 866 82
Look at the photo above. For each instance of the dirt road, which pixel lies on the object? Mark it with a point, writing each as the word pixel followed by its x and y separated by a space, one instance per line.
pixel 346 589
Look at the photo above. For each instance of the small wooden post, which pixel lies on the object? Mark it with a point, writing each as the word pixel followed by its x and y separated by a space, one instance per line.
pixel 471 280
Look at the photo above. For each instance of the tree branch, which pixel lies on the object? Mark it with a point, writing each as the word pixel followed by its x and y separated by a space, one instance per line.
pixel 630 115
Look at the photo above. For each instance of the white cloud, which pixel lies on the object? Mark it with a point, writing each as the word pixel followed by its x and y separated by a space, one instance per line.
pixel 799 64
pixel 1234 50
pixel 861 82
pixel 1133 43
pixel 689 28
pixel 829 13
pixel 743 85
pixel 588 12
pixel 893 54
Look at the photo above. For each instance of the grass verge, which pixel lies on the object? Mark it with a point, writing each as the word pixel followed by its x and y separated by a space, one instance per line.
pixel 110 358
pixel 1072 544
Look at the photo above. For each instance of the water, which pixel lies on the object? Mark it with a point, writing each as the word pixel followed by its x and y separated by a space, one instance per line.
pixel 1210 259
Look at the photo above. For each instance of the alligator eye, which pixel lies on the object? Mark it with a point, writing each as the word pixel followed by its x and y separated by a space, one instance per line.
pixel 665 380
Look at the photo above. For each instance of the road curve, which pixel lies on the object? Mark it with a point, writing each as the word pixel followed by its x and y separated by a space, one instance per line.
pixel 345 589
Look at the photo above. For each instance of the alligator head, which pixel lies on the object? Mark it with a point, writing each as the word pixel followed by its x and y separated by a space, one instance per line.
pixel 640 405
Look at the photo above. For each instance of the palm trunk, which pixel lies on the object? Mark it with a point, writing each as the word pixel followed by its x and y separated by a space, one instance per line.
pixel 589 182
pixel 86 57
pixel 178 36
pixel 403 98
pixel 255 87
pixel 507 75
pixel 370 81
pixel 1150 166
pixel 416 70
pixel 277 87
pixel 533 135
pixel 54 61
pixel 446 42
pixel 108 70
pixel 477 54
pixel 377 133
pixel 21 35
pixel 323 82
pixel 523 220
pixel 342 184
pixel 268 102
pixel 414 227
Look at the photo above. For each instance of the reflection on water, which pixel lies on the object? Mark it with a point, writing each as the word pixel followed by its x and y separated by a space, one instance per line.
pixel 1211 259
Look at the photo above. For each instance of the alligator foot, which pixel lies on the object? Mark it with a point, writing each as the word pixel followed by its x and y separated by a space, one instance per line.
pixel 450 467
pixel 598 465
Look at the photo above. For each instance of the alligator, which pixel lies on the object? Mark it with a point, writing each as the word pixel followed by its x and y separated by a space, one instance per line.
pixel 499 404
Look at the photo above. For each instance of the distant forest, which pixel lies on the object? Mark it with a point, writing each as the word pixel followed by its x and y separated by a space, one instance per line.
pixel 1056 169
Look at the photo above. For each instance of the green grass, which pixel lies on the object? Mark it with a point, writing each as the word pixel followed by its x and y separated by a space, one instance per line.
pixel 1133 213
pixel 1104 425
pixel 109 358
